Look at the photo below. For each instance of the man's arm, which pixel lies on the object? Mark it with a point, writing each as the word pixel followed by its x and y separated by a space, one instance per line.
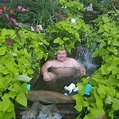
pixel 44 70
pixel 79 66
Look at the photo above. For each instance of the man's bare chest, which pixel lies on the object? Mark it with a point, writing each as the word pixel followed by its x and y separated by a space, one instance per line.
pixel 62 64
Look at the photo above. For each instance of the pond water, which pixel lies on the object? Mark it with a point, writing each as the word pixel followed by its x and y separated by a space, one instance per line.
pixel 84 56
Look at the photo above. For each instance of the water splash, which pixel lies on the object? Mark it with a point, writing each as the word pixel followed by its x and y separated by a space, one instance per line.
pixel 84 56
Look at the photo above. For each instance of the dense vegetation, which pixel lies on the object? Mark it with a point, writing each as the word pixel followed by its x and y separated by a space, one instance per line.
pixel 28 36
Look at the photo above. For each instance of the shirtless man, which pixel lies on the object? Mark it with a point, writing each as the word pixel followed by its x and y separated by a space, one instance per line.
pixel 61 67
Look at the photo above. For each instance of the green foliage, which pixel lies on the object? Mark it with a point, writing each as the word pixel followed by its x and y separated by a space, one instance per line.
pixel 66 34
pixel 72 7
pixel 20 52
pixel 39 11
pixel 105 81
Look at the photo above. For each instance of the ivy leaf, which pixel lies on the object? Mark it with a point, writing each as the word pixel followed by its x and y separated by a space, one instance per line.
pixel 11 108
pixel 3 50
pixel 113 50
pixel 115 104
pixel 1 114
pixel 81 87
pixel 21 99
pixel 101 89
pixel 16 87
pixel 104 69
pixel 79 102
pixel 85 104
pixel 115 71
pixel 78 106
pixel 96 112
pixel 58 40
pixel 5 103
pixel 88 116
pixel 4 70
pixel 99 102
pixel 11 66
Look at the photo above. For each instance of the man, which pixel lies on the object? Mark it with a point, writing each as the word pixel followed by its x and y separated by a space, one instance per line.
pixel 61 68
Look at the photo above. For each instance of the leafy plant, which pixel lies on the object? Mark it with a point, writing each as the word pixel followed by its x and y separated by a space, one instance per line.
pixel 20 52
pixel 104 96
pixel 40 12
pixel 67 33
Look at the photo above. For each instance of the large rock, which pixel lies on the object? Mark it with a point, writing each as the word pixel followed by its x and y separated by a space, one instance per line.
pixel 49 97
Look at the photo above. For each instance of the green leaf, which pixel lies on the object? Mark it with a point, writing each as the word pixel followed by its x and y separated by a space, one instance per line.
pixel 9 115
pixel 21 99
pixel 101 89
pixel 5 103
pixel 79 102
pixel 104 69
pixel 99 102
pixel 11 66
pixel 3 50
pixel 117 94
pixel 89 116
pixel 78 106
pixel 1 114
pixel 85 103
pixel 115 104
pixel 4 70
pixel 58 40
pixel 23 78
pixel 115 71
pixel 97 112
pixel 24 60
pixel 66 38
pixel 113 50
pixel 108 100
pixel 81 87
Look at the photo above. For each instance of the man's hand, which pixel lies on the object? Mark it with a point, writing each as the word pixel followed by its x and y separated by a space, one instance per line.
pixel 48 76
pixel 83 71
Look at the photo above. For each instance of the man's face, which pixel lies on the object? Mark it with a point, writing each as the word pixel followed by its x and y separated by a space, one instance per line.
pixel 61 55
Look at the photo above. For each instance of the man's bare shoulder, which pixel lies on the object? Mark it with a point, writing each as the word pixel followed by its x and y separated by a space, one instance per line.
pixel 51 61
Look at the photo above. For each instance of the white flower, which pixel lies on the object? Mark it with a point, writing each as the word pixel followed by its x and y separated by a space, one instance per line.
pixel 32 28
pixel 39 28
pixel 73 20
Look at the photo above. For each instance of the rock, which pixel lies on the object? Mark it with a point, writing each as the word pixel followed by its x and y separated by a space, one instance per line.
pixel 49 97
pixel 49 111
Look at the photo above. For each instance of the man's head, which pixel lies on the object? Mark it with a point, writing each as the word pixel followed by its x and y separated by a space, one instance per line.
pixel 61 55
